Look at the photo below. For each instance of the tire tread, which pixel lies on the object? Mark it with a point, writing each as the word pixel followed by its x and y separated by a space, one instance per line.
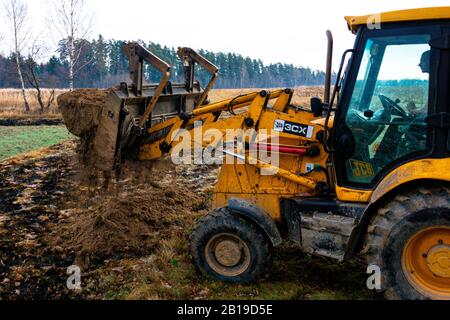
pixel 390 215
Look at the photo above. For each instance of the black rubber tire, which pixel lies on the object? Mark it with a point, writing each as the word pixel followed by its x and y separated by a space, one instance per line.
pixel 223 220
pixel 392 227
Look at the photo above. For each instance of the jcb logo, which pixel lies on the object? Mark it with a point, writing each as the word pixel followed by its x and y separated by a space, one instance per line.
pixel 293 128
pixel 279 125
pixel 361 169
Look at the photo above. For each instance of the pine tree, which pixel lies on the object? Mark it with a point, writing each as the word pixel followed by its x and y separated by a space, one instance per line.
pixel 105 65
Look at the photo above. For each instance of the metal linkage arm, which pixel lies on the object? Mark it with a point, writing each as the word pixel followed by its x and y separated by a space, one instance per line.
pixel 189 57
pixel 137 54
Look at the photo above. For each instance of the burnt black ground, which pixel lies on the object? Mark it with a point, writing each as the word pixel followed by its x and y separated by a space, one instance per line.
pixel 30 122
pixel 30 193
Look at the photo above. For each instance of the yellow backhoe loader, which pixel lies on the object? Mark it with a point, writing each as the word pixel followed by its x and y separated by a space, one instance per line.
pixel 365 170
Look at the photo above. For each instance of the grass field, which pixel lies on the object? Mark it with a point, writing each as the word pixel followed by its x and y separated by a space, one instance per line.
pixel 17 140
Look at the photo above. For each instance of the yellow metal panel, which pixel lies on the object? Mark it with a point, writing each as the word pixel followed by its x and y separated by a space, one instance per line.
pixel 247 184
pixel 270 203
pixel 353 195
pixel 283 101
pixel 256 108
pixel 436 169
pixel 321 122
pixel 153 151
pixel 300 114
pixel 150 152
pixel 228 180
pixel 419 14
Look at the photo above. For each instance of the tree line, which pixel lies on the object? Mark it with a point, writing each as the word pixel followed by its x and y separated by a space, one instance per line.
pixel 101 63
pixel 79 62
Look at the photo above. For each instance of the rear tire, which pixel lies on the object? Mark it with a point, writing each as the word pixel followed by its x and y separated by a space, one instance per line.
pixel 226 247
pixel 409 239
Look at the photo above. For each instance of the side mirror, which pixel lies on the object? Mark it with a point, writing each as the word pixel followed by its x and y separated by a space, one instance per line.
pixel 317 106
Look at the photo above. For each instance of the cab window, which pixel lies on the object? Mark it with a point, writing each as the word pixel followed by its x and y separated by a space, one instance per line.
pixel 389 104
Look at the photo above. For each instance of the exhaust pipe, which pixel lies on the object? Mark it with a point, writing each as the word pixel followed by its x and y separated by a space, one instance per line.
pixel 329 68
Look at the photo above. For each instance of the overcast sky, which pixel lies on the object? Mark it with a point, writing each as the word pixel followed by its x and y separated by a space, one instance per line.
pixel 288 31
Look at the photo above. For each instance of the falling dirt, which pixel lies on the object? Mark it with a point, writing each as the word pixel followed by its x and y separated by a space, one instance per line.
pixel 128 219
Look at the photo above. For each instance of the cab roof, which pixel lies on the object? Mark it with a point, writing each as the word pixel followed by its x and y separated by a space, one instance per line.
pixel 419 14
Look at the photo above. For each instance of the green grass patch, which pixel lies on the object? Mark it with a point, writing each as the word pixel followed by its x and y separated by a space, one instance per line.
pixel 16 140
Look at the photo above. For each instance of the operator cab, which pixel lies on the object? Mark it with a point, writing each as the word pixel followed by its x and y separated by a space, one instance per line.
pixel 387 100
pixel 389 104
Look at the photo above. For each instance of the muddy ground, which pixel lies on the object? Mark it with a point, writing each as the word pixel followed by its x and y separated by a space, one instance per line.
pixel 129 233
pixel 10 122
pixel 53 215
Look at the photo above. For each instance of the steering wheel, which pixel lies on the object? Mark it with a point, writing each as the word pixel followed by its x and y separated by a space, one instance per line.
pixel 392 106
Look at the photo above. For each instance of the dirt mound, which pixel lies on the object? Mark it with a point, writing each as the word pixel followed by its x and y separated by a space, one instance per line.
pixel 81 108
pixel 128 223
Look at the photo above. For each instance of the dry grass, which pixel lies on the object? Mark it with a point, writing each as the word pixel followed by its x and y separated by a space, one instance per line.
pixel 301 96
pixel 11 101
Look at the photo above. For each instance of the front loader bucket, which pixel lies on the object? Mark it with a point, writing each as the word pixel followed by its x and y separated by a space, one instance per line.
pixel 103 151
pixel 113 123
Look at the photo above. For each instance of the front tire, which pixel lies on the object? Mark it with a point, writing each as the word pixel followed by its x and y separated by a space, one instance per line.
pixel 228 248
pixel 409 239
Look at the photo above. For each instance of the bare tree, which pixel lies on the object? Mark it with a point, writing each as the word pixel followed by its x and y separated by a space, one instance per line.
pixel 36 53
pixel 73 22
pixel 16 12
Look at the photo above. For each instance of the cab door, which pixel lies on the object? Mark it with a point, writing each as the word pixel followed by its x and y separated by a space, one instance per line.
pixel 387 98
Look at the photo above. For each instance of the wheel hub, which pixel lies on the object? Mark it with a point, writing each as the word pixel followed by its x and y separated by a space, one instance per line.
pixel 426 262
pixel 438 260
pixel 228 253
